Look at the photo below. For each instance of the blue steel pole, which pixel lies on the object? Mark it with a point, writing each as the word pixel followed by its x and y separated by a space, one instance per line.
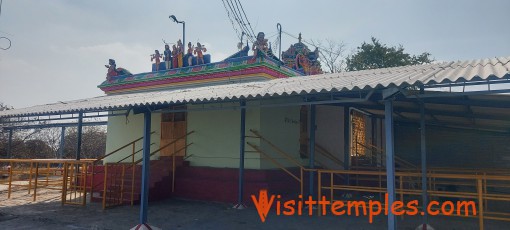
pixel 423 163
pixel 241 154
pixel 312 149
pixel 145 167
pixel 390 161
pixel 80 130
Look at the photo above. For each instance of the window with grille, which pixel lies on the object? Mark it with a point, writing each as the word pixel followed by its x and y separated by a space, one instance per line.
pixel 358 133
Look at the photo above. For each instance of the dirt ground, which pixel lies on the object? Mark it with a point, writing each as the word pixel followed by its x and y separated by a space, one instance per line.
pixel 20 212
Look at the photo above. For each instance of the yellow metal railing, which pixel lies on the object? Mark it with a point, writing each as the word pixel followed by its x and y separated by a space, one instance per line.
pixel 75 178
pixel 67 176
pixel 114 174
pixel 378 155
pixel 286 156
pixel 323 151
pixel 484 186
pixel 481 188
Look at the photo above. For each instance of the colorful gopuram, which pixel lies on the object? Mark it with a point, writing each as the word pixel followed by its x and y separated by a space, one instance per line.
pixel 197 70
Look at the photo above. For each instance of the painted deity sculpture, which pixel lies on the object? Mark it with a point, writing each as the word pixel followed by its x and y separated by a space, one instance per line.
pixel 260 46
pixel 174 57
pixel 114 71
pixel 300 57
pixel 157 57
pixel 199 51
pixel 168 57
pixel 180 51
pixel 189 55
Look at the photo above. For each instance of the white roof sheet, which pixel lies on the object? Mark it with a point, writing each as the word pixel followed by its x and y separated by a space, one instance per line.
pixel 482 69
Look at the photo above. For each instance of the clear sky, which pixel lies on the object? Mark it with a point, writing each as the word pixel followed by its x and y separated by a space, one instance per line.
pixel 59 48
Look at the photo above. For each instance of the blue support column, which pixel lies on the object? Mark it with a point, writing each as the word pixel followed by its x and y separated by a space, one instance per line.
pixel 347 141
pixel 390 160
pixel 9 146
pixel 423 163
pixel 240 204
pixel 79 132
pixel 62 143
pixel 312 149
pixel 145 167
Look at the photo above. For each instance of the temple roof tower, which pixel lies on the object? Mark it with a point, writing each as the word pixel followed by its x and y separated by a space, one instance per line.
pixel 301 58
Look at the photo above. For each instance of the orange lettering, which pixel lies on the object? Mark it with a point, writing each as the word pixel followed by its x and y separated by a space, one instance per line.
pixel 466 205
pixel 310 202
pixel 429 208
pixel 324 204
pixel 356 204
pixel 337 205
pixel 397 205
pixel 413 206
pixel 263 204
pixel 371 212
pixel 447 212
pixel 289 205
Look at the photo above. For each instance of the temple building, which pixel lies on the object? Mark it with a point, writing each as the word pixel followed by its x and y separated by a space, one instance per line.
pixel 226 130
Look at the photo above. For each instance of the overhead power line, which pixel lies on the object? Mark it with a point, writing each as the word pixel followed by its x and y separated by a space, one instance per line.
pixel 248 21
pixel 231 21
pixel 311 44
pixel 236 13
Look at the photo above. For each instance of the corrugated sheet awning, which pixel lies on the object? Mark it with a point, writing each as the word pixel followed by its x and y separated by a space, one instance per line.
pixel 461 71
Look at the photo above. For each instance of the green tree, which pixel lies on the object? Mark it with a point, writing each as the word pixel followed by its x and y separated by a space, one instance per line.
pixel 375 55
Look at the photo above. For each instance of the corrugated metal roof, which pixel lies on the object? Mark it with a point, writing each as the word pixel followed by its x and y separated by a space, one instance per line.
pixel 482 69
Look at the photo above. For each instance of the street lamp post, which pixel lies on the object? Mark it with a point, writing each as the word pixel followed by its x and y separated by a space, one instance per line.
pixel 183 29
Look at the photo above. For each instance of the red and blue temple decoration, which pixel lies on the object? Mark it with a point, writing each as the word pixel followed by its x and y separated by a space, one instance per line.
pixel 231 70
pixel 174 69
pixel 301 58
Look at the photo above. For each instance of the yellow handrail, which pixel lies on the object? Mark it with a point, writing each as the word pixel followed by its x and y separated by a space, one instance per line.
pixel 327 154
pixel 130 155
pixel 273 160
pixel 398 160
pixel 286 155
pixel 474 188
pixel 120 148
pixel 173 142
pixel 133 163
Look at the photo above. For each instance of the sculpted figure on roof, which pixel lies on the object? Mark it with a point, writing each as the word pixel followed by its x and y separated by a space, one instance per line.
pixel 199 52
pixel 114 71
pixel 168 57
pixel 157 57
pixel 189 55
pixel 260 46
pixel 180 51
pixel 175 52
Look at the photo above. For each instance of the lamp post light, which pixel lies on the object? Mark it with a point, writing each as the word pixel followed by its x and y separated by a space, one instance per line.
pixel 183 29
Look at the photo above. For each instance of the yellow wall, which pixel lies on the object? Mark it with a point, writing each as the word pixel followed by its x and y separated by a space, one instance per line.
pixel 216 139
pixel 122 130
pixel 280 125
